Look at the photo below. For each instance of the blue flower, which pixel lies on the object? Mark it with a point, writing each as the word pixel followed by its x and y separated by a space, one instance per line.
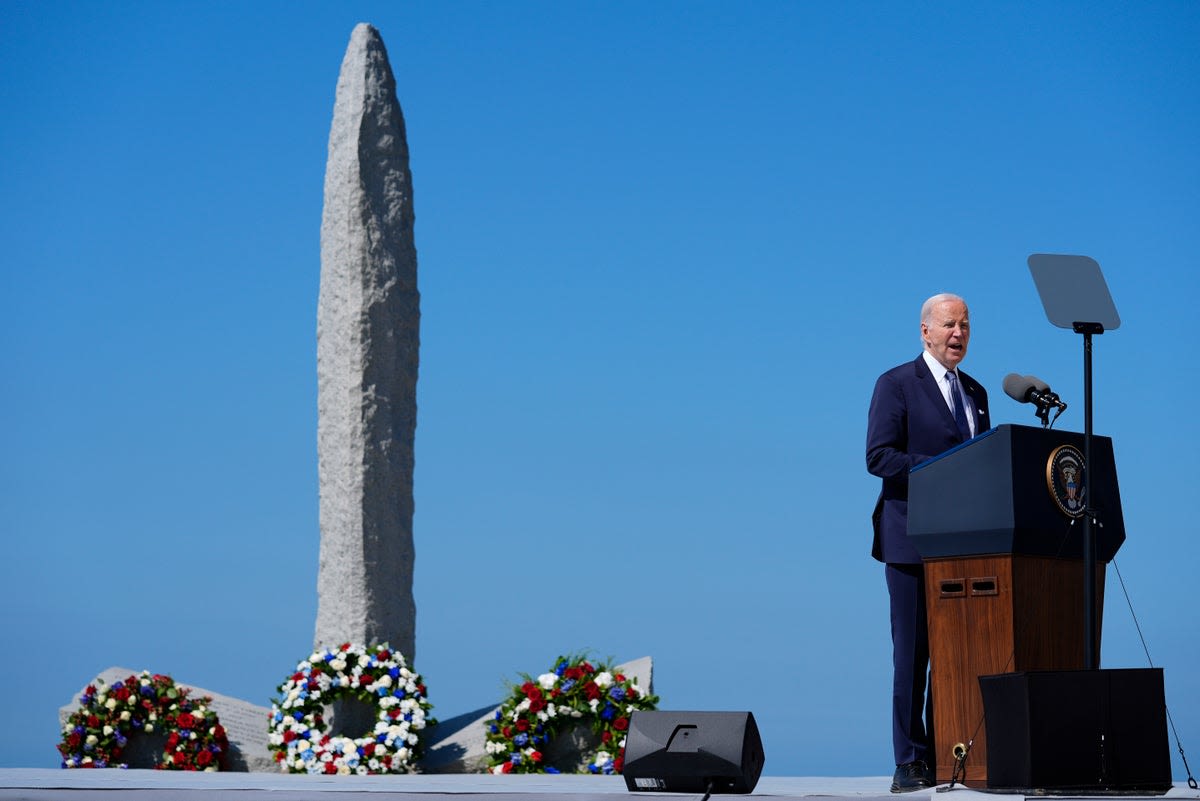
pixel 394 673
pixel 521 740
pixel 609 712
pixel 617 693
pixel 560 668
pixel 494 729
pixel 497 714
pixel 567 685
pixel 551 769
pixel 297 716
pixel 516 759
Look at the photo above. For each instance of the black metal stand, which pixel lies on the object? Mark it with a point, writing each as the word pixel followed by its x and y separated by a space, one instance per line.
pixel 1090 652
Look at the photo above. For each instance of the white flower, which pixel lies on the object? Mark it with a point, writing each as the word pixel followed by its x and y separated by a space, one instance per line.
pixel 595 702
pixel 548 680
pixel 364 660
pixel 111 703
pixel 522 707
pixel 603 679
pixel 108 730
pixel 125 715
pixel 92 739
pixel 602 758
pixel 384 681
pixel 338 664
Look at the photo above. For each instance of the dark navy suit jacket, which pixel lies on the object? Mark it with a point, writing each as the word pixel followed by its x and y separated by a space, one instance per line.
pixel 908 423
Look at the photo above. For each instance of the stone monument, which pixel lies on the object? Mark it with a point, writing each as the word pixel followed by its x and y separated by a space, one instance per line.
pixel 368 324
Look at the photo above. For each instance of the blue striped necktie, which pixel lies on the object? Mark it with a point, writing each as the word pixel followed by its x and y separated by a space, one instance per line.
pixel 960 414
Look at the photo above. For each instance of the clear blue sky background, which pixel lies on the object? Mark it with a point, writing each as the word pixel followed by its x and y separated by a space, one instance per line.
pixel 665 249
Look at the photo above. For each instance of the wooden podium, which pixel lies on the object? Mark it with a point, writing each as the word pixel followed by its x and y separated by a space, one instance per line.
pixel 996 522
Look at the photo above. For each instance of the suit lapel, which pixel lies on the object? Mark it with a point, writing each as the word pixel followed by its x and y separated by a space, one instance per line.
pixel 929 383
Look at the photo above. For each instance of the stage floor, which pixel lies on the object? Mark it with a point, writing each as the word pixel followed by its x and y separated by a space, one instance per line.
pixel 150 785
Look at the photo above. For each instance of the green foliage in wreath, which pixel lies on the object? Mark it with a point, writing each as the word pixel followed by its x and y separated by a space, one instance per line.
pixel 572 693
pixel 98 733
pixel 374 675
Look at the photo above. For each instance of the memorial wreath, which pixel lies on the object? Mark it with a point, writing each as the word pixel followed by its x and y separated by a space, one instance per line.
pixel 376 676
pixel 97 734
pixel 574 693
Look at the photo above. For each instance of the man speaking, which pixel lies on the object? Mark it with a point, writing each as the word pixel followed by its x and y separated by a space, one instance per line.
pixel 918 410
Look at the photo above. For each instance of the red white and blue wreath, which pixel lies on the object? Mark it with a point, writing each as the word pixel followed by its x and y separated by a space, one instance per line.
pixel 96 735
pixel 376 676
pixel 573 693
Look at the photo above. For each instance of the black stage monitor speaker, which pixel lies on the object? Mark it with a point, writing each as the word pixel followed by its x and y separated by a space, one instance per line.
pixel 1096 730
pixel 693 752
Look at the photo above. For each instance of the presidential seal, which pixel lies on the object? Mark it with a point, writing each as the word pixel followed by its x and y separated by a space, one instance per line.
pixel 1064 480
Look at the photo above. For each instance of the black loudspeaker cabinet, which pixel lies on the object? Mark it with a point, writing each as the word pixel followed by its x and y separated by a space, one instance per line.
pixel 1097 730
pixel 693 752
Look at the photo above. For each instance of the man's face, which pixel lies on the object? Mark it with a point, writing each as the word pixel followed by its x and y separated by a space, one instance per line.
pixel 946 332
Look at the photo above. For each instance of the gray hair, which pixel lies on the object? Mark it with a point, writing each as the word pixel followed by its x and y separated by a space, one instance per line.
pixel 927 306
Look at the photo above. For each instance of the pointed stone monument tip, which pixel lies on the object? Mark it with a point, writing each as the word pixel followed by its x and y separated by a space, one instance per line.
pixel 368 335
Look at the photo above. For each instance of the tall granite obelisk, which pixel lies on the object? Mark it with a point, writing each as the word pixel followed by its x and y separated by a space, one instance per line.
pixel 368 333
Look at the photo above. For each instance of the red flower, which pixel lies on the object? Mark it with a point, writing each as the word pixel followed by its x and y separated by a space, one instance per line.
pixel 573 673
pixel 186 720
pixel 606 737
pixel 522 725
pixel 385 654
pixel 93 722
pixel 369 749
pixel 219 732
pixel 330 767
pixel 631 693
pixel 619 764
pixel 505 768
pixel 344 646
pixel 179 758
pixel 619 677
pixel 592 691
pixel 621 723
pixel 173 739
pixel 365 678
pixel 537 706
pixel 289 735
pixel 555 692
pixel 506 731
pixel 536 756
pixel 204 757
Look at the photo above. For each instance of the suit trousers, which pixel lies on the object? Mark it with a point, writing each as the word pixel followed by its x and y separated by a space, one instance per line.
pixel 912 700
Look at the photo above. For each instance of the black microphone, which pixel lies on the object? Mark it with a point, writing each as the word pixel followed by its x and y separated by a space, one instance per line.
pixel 1031 389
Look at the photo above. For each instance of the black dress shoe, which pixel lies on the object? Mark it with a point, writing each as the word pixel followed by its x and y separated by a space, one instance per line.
pixel 912 776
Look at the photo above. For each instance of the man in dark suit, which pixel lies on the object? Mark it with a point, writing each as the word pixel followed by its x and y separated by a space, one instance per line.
pixel 918 410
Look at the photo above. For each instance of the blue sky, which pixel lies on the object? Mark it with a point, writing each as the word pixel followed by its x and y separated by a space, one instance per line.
pixel 665 249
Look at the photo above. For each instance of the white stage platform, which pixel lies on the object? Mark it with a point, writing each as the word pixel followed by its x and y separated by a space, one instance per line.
pixel 150 785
